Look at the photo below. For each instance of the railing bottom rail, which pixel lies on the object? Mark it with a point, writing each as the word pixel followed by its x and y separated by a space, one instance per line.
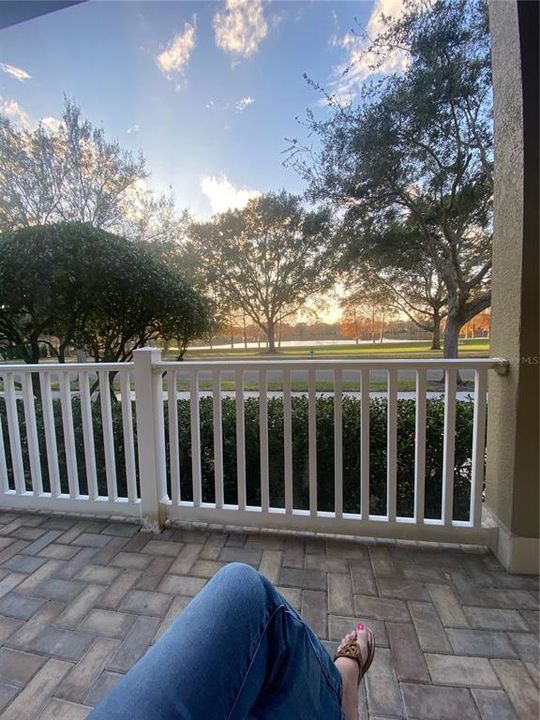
pixel 326 522
pixel 80 505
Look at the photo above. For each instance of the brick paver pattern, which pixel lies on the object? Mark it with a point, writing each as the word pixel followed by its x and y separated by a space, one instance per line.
pixel 81 600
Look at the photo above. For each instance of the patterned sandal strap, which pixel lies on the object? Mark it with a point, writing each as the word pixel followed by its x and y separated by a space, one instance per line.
pixel 350 650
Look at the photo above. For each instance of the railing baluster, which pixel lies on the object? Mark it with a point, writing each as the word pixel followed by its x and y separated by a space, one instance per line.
pixel 391 452
pixel 364 443
pixel 338 443
pixel 127 426
pixel 240 441
pixel 420 447
pixel 159 434
pixel 447 510
pixel 478 446
pixel 287 441
pixel 50 434
pixel 14 433
pixel 263 434
pixel 88 435
pixel 4 479
pixel 31 434
pixel 69 435
pixel 174 450
pixel 218 438
pixel 195 439
pixel 108 437
pixel 312 441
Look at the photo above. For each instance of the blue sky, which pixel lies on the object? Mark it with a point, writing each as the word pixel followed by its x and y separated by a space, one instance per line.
pixel 208 90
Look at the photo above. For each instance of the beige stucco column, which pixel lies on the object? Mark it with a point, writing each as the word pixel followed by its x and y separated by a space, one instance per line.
pixel 512 474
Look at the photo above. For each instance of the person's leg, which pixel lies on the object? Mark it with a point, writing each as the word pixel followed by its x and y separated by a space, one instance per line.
pixel 238 650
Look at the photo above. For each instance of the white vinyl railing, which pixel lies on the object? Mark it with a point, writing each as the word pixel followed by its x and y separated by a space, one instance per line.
pixel 67 442
pixel 56 466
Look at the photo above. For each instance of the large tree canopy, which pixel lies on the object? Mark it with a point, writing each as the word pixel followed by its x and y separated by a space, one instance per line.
pixel 92 289
pixel 417 150
pixel 266 259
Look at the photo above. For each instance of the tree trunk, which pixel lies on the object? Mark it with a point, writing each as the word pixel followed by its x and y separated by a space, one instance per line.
pixel 436 336
pixel 32 358
pixel 62 347
pixel 451 336
pixel 373 325
pixel 36 386
pixel 270 334
pixel 382 330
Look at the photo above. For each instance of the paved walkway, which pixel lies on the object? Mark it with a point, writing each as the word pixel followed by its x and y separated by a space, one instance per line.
pixel 81 600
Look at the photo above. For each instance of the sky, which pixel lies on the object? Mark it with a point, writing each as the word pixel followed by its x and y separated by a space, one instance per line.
pixel 209 91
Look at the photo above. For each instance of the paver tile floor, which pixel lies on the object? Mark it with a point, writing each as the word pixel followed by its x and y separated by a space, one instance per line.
pixel 81 600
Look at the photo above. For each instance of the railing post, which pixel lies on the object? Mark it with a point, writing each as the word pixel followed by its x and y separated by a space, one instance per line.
pixel 150 441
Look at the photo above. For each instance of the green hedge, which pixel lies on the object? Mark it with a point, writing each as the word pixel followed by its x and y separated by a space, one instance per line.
pixel 325 452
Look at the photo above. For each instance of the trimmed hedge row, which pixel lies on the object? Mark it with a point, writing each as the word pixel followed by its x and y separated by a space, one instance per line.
pixel 325 452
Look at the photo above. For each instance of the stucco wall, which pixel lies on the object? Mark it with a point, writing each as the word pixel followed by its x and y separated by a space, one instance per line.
pixel 512 478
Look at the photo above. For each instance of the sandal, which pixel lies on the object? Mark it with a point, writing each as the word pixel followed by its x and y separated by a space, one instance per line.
pixel 351 650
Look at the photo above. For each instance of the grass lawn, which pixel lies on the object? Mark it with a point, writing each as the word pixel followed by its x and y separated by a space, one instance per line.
pixel 413 350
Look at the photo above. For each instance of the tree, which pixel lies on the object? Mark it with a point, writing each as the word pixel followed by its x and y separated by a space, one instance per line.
pixel 67 171
pixel 480 323
pixel 91 289
pixel 266 259
pixel 418 149
pixel 388 264
pixel 421 297
pixel 156 222
pixel 355 323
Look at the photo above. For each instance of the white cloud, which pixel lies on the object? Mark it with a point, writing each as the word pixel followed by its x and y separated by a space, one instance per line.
pixel 240 27
pixel 210 105
pixel 51 123
pixel 223 195
pixel 359 63
pixel 176 56
pixel 133 129
pixel 14 112
pixel 242 104
pixel 15 72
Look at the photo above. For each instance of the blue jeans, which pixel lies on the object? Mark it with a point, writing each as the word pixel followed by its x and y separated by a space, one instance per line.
pixel 237 651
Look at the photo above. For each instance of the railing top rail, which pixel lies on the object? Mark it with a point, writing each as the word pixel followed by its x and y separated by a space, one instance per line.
pixel 498 364
pixel 67 367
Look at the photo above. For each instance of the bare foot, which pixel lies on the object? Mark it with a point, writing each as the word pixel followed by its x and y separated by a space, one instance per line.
pixel 350 670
